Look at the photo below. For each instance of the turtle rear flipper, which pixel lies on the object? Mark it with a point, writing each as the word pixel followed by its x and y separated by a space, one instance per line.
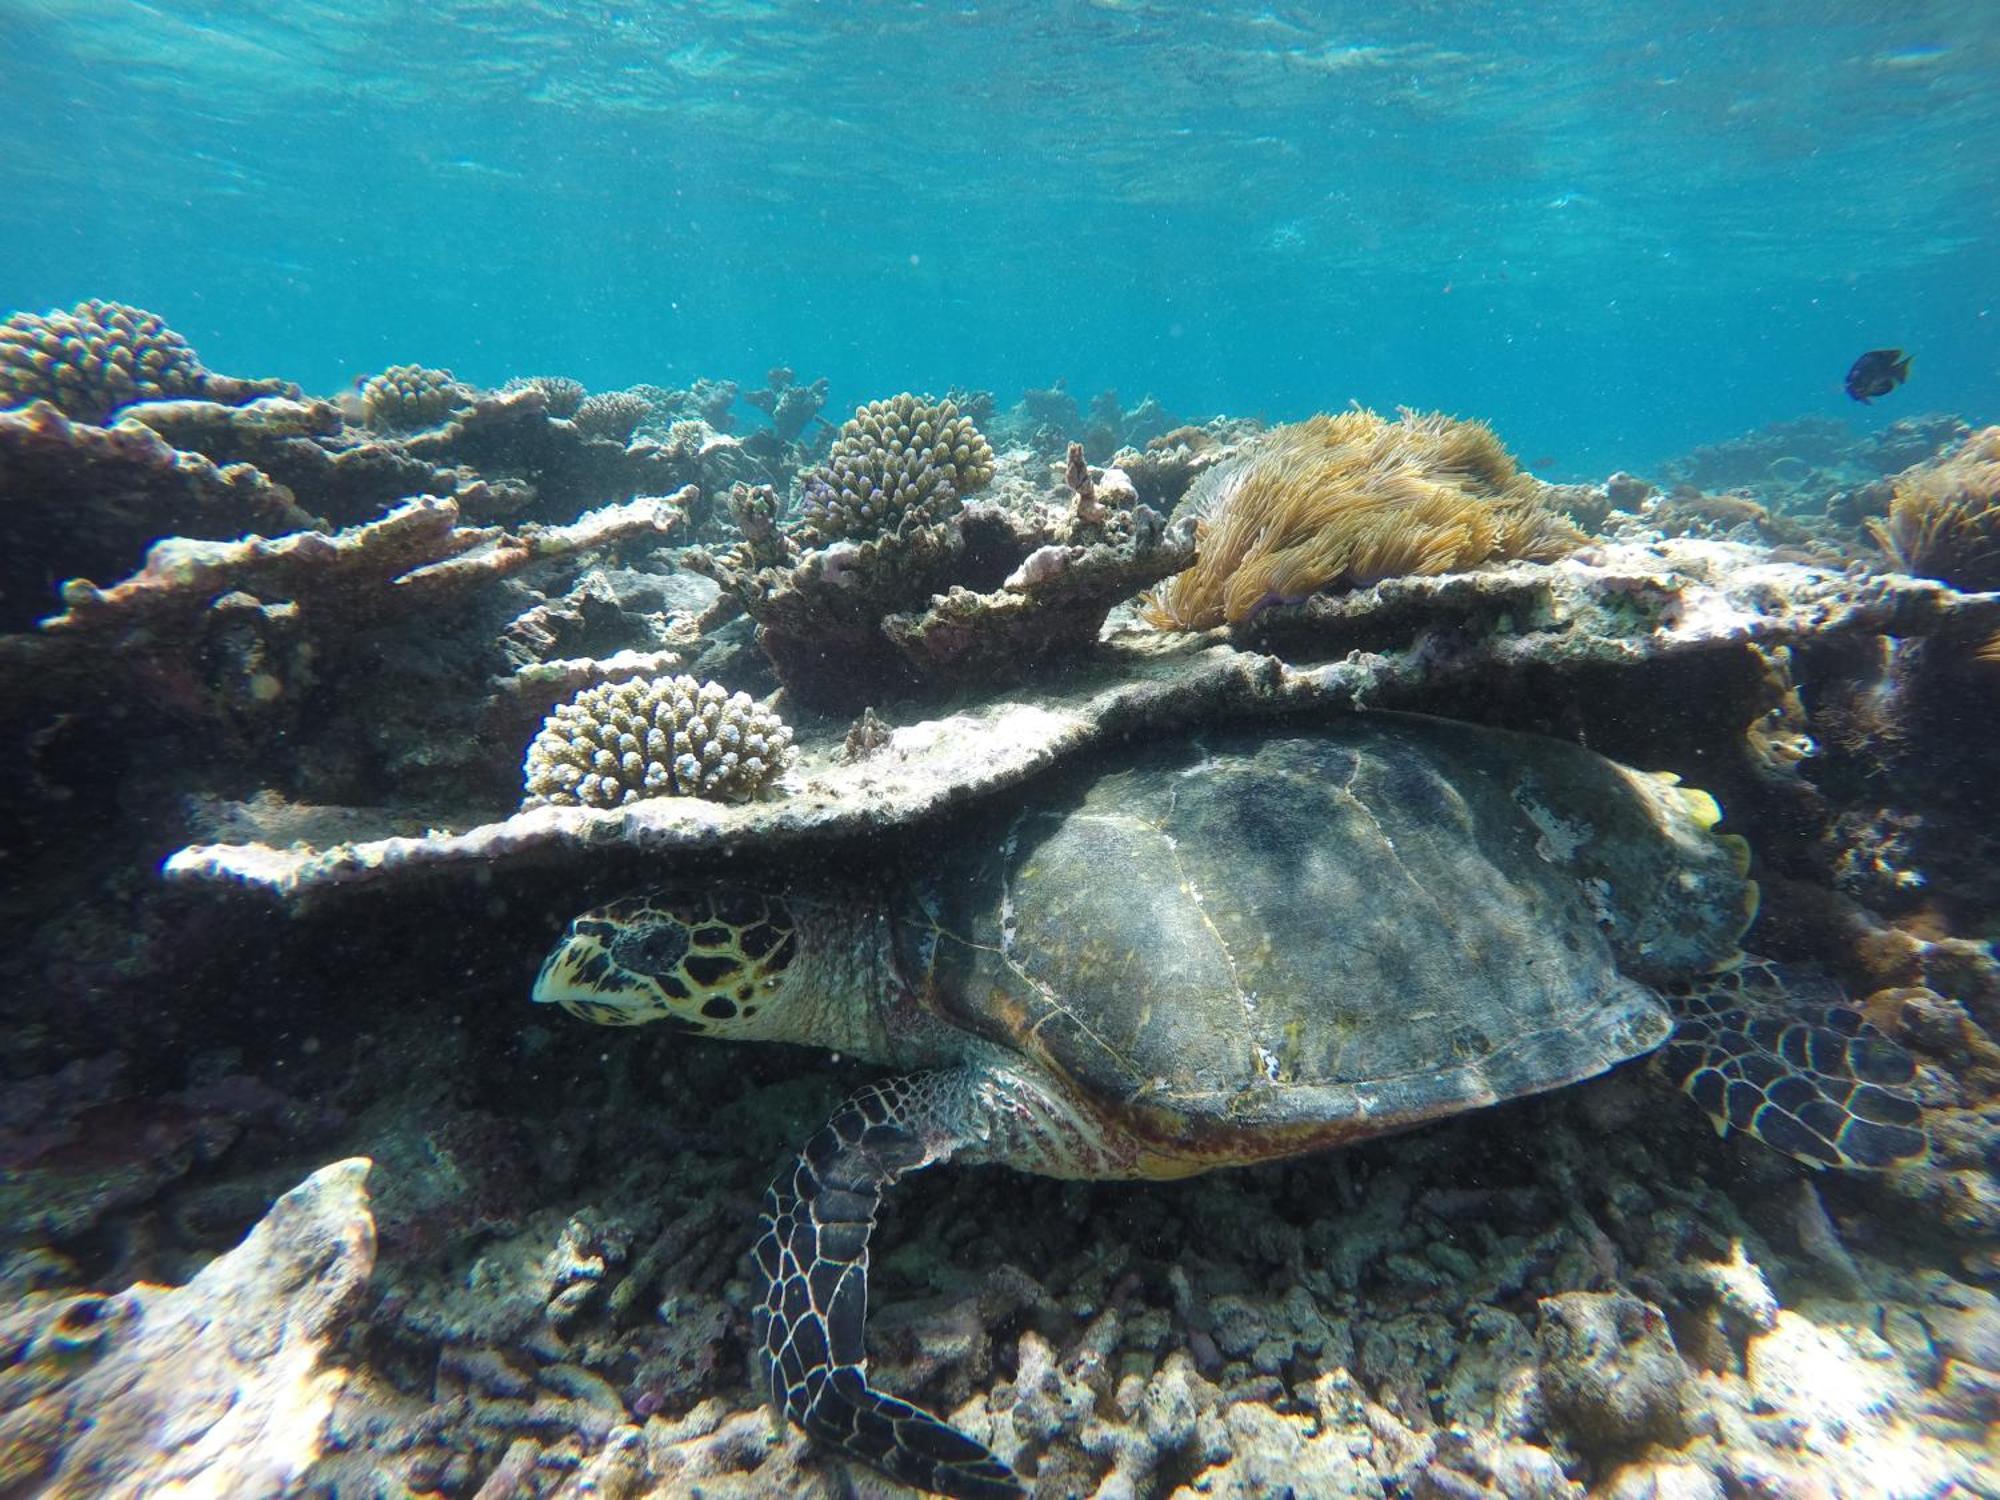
pixel 813 1253
pixel 1778 1052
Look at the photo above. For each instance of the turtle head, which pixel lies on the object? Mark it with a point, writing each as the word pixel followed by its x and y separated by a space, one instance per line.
pixel 711 959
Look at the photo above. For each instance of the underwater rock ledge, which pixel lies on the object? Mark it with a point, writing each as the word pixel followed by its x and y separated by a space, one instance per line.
pixel 1413 643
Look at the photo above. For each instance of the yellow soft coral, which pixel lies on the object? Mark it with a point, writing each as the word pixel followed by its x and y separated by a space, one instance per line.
pixel 1945 520
pixel 1342 501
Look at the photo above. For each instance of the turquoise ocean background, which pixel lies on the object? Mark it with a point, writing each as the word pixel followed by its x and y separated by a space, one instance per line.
pixel 1614 230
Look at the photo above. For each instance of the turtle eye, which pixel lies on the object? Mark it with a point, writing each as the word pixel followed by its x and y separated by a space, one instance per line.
pixel 709 959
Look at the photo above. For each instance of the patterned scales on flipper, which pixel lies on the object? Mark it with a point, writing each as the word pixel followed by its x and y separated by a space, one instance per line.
pixel 1778 1052
pixel 813 1251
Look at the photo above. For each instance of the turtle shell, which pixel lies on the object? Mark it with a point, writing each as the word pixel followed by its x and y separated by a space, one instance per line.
pixel 1266 938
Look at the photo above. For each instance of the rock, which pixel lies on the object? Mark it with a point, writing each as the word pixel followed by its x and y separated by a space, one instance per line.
pixel 219 1387
pixel 1611 1378
pixel 1661 1480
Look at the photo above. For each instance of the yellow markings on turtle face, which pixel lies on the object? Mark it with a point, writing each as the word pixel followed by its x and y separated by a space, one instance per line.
pixel 705 958
pixel 1701 807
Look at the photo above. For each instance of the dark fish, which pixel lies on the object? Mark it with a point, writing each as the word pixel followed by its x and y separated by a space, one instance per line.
pixel 1877 373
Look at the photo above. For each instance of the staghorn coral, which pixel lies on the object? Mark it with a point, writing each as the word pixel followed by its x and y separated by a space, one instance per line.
pixel 93 359
pixel 896 463
pixel 613 414
pixel 668 737
pixel 1945 520
pixel 560 395
pixel 1348 500
pixel 408 398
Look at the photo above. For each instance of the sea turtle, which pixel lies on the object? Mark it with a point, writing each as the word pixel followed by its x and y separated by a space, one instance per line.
pixel 1224 949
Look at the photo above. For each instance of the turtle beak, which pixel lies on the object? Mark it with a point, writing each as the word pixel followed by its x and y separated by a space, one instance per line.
pixel 583 978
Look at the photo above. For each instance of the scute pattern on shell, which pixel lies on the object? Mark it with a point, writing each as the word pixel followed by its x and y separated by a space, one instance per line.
pixel 93 359
pixel 408 398
pixel 895 463
pixel 662 737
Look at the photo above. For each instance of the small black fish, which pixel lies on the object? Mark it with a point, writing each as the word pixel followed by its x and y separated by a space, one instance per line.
pixel 1877 373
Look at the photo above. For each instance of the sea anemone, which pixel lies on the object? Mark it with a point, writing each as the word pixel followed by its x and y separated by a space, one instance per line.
pixel 1343 501
pixel 1944 522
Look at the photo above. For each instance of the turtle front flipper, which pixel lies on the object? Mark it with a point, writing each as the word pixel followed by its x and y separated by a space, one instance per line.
pixel 1778 1052
pixel 813 1253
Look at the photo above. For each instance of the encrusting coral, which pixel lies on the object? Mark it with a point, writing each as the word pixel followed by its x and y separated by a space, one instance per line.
pixel 1348 500
pixel 1945 520
pixel 406 398
pixel 93 359
pixel 895 463
pixel 667 737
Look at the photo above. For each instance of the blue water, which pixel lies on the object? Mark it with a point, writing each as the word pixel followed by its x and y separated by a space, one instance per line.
pixel 1615 230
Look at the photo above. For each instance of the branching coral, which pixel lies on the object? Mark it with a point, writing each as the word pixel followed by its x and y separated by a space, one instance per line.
pixel 895 463
pixel 561 395
pixel 613 414
pixel 1945 520
pixel 790 406
pixel 671 736
pixel 93 359
pixel 1344 501
pixel 407 398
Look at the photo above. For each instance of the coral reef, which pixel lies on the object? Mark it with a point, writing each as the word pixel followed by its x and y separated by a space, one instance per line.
pixel 409 398
pixel 95 358
pixel 1342 501
pixel 670 737
pixel 1945 519
pixel 791 407
pixel 1686 620
pixel 76 498
pixel 318 685
pixel 896 464
pixel 561 395
pixel 613 414
pixel 1049 609
pixel 708 401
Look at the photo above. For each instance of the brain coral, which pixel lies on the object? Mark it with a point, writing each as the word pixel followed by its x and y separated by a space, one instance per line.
pixel 613 414
pixel 1945 519
pixel 664 737
pixel 407 398
pixel 1343 501
pixel 897 462
pixel 93 359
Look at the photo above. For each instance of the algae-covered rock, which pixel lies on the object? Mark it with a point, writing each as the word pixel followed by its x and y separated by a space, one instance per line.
pixel 219 1387
pixel 1611 1378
